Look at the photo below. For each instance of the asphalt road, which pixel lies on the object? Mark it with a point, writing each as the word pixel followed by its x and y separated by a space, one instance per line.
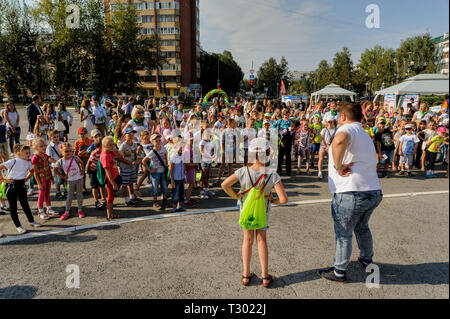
pixel 199 256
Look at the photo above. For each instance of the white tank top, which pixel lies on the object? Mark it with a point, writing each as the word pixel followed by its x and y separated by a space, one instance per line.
pixel 361 152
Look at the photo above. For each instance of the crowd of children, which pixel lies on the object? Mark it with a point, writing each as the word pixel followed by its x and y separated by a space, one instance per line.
pixel 123 148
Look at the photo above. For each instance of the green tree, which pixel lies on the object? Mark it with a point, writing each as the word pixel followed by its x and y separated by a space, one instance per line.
pixel 130 51
pixel 230 73
pixel 376 67
pixel 416 55
pixel 67 48
pixel 21 51
pixel 303 86
pixel 322 76
pixel 271 73
pixel 342 68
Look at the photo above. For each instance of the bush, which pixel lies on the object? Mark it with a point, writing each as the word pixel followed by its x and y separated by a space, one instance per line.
pixel 432 99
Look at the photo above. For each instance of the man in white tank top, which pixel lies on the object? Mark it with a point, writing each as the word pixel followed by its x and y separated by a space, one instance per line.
pixel 356 190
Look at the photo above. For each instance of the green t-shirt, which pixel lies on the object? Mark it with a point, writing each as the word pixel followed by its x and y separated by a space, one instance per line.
pixel 317 128
pixel 258 124
pixel 435 143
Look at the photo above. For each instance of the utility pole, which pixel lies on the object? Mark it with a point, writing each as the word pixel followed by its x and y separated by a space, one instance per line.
pixel 252 85
pixel 218 70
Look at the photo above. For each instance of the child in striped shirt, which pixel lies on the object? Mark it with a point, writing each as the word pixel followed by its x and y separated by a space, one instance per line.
pixel 91 170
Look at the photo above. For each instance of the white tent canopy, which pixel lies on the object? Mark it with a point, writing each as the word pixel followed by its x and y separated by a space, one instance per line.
pixel 333 90
pixel 422 84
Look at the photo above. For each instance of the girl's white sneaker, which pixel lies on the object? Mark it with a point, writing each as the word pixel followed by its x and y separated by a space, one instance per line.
pixel 43 216
pixel 21 230
pixel 52 213
pixel 34 224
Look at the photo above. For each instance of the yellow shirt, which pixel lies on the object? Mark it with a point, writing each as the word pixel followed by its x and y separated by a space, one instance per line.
pixel 369 131
pixel 435 143
pixel 317 128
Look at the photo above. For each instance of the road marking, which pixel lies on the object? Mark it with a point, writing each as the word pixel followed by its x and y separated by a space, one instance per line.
pixel 194 212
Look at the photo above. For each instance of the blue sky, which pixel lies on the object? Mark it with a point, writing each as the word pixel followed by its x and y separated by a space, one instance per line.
pixel 308 31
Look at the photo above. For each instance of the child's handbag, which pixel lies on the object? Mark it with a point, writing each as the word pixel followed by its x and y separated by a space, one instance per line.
pixel 253 214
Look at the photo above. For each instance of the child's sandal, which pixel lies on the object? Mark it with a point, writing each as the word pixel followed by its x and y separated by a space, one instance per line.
pixel 247 279
pixel 269 281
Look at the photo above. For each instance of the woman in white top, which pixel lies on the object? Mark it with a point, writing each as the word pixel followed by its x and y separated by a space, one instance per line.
pixel 86 115
pixel 247 176
pixel 139 122
pixel 12 119
pixel 19 171
pixel 423 113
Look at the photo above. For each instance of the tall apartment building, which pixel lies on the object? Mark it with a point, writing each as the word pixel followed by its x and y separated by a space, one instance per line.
pixel 442 54
pixel 178 25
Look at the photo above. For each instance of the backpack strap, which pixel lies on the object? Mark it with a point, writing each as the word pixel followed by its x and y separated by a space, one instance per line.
pixel 9 171
pixel 59 155
pixel 253 185
pixel 265 183
pixel 160 159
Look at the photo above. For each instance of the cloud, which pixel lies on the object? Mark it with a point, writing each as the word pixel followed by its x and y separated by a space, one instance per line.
pixel 259 29
pixel 305 31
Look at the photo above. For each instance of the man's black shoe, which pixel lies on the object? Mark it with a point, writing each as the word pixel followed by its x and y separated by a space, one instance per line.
pixel 364 262
pixel 330 275
pixel 130 203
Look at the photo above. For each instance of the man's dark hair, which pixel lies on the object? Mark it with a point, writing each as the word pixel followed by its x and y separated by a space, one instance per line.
pixel 352 111
pixel 35 97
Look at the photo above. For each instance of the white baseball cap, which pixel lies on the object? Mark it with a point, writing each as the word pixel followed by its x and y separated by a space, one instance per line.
pixel 259 145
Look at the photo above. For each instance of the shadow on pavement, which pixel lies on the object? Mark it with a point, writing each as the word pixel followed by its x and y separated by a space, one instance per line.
pixel 419 274
pixel 390 274
pixel 72 237
pixel 295 278
pixel 18 292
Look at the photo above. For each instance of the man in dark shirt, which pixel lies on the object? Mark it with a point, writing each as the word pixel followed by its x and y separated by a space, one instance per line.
pixel 33 110
pixel 385 146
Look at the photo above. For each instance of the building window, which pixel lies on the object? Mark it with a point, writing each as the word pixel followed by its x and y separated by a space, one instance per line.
pixel 168 5
pixel 171 67
pixel 170 54
pixel 168 18
pixel 147 31
pixel 176 92
pixel 145 18
pixel 169 43
pixel 168 30
pixel 152 92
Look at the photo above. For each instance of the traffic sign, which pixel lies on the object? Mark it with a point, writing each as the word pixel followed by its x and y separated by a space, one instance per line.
pixel 188 90
pixel 252 71
pixel 266 89
pixel 252 77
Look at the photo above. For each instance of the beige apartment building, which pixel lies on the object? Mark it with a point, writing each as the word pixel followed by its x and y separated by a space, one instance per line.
pixel 178 26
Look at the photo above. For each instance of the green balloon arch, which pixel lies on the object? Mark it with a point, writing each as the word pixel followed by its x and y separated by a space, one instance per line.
pixel 217 91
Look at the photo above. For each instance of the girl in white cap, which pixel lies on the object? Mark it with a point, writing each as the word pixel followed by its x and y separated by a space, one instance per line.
pixel 267 180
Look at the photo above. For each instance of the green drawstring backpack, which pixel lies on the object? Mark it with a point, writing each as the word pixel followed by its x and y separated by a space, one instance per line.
pixel 253 214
